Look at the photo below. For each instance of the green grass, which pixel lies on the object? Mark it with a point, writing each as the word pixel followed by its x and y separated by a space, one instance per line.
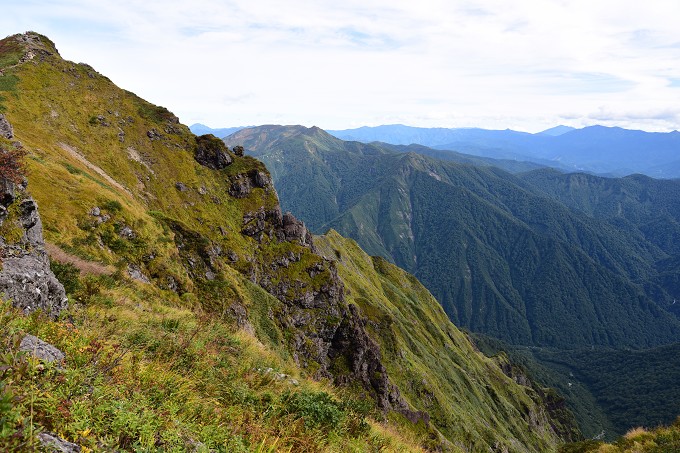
pixel 663 439
pixel 166 380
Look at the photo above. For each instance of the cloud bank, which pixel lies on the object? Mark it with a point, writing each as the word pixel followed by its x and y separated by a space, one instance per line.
pixel 525 65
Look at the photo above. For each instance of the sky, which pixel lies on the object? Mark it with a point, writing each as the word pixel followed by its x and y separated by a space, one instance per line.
pixel 524 64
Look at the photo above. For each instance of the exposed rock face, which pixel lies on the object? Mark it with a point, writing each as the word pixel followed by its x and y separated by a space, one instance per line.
pixel 135 273
pixel 5 128
pixel 294 229
pixel 211 152
pixel 26 278
pixel 242 184
pixel 284 227
pixel 361 355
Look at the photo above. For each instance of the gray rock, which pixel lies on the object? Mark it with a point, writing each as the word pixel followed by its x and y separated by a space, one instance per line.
pixel 135 273
pixel 26 278
pixel 261 179
pixel 239 314
pixel 96 211
pixel 153 134
pixel 7 192
pixel 55 444
pixel 181 187
pixel 6 129
pixel 240 186
pixel 126 232
pixel 294 229
pixel 42 350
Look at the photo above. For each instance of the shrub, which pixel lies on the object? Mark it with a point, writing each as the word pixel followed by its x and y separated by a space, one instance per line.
pixel 12 163
pixel 318 410
pixel 68 275
pixel 112 206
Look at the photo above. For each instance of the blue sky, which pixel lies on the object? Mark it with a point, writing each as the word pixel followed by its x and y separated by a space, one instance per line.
pixel 525 64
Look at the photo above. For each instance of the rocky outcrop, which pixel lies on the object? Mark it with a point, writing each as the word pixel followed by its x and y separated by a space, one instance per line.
pixel 26 278
pixel 327 335
pixel 211 152
pixel 283 227
pixel 5 128
pixel 360 354
pixel 242 184
pixel 293 229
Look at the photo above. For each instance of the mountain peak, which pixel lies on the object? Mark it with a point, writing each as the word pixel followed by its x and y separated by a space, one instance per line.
pixel 26 47
pixel 557 130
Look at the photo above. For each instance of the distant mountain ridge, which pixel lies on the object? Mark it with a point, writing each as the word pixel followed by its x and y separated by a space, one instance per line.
pixel 597 149
pixel 202 129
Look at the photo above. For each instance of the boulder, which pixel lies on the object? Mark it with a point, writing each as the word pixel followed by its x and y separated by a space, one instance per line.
pixel 41 350
pixel 53 443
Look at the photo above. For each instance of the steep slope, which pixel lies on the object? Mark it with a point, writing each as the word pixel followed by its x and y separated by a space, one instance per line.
pixel 647 206
pixel 431 365
pixel 209 319
pixel 636 440
pixel 501 257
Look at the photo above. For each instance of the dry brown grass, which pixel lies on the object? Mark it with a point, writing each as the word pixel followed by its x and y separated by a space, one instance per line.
pixel 635 432
pixel 85 267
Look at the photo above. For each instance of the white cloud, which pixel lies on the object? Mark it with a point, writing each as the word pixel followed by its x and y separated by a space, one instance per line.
pixel 491 63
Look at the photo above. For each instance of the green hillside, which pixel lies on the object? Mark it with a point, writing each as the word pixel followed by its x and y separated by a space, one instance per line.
pixel 501 257
pixel 573 266
pixel 202 318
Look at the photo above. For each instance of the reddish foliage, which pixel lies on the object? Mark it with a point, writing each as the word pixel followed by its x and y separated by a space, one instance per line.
pixel 12 166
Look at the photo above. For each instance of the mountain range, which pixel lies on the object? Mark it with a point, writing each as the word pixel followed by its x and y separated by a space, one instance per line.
pixel 534 257
pixel 201 316
pixel 597 149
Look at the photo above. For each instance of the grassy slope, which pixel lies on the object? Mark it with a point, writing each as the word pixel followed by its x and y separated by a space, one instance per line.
pixel 638 440
pixel 149 367
pixel 432 365
pixel 146 366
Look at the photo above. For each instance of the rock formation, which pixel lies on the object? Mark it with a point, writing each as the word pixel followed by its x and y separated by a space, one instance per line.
pixel 25 278
pixel 211 152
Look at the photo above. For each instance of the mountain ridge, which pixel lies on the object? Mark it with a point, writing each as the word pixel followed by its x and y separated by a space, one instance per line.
pixel 222 326
pixel 542 259
pixel 597 149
